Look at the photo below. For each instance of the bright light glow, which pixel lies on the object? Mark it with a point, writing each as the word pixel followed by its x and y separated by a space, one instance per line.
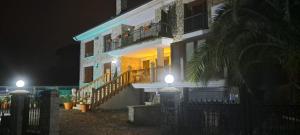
pixel 99 29
pixel 20 83
pixel 114 62
pixel 169 78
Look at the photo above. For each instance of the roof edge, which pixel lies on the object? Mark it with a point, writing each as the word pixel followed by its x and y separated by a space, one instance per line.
pixel 94 31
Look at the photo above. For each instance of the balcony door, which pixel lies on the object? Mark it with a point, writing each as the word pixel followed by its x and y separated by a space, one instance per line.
pixel 195 16
pixel 107 72
pixel 165 22
pixel 107 43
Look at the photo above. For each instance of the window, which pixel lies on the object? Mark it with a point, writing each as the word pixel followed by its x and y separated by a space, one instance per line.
pixel 88 74
pixel 198 45
pixel 195 16
pixel 194 8
pixel 107 43
pixel 89 48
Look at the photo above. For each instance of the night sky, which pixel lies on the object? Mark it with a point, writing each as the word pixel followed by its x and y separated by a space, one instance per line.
pixel 36 38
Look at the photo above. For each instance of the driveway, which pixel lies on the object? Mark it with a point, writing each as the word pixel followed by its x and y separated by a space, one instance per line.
pixel 100 123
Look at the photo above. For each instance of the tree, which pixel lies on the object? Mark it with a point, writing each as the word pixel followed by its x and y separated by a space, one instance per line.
pixel 257 42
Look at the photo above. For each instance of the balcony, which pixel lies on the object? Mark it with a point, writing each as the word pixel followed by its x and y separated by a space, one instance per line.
pixel 196 22
pixel 144 33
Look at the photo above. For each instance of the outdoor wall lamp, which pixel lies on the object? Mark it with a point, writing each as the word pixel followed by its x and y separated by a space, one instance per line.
pixel 114 62
pixel 166 9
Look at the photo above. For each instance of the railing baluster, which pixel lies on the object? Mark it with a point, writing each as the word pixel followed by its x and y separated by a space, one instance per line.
pixel 100 96
pixel 116 85
pixel 92 98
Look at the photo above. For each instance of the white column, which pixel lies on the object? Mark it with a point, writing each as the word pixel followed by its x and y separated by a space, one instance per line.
pixel 152 72
pixel 160 63
pixel 181 69
pixel 160 57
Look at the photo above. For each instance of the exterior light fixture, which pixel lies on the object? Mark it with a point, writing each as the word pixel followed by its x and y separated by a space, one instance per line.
pixel 19 90
pixel 114 62
pixel 20 83
pixel 169 79
pixel 166 9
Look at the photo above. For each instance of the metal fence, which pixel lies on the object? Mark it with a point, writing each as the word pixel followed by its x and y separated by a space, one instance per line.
pixel 223 118
pixel 154 30
pixel 4 124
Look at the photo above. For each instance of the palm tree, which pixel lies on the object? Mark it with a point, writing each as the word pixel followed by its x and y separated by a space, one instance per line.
pixel 256 42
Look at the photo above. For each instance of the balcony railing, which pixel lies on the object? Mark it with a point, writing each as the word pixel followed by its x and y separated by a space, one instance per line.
pixel 149 32
pixel 196 22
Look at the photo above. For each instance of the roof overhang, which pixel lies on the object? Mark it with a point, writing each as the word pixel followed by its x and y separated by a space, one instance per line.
pixel 99 29
pixel 155 43
pixel 118 20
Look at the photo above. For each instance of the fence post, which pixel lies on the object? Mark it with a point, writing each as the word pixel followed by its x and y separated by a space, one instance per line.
pixel 19 106
pixel 49 114
pixel 45 112
pixel 54 113
pixel 170 101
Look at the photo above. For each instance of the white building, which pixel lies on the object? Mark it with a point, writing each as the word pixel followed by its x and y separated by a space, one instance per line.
pixel 130 54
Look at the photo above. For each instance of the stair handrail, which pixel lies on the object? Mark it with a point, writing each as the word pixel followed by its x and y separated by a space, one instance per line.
pixel 91 85
pixel 110 88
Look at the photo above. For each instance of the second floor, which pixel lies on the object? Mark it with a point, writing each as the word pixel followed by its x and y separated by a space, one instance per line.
pixel 157 19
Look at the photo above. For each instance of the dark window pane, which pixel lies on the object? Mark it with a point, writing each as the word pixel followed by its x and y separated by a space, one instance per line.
pixel 88 74
pixel 89 48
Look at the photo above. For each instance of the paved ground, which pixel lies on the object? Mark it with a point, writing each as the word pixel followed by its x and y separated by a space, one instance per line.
pixel 100 123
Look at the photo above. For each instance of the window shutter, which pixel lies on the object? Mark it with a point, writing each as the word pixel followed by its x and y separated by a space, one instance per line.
pixel 89 49
pixel 88 74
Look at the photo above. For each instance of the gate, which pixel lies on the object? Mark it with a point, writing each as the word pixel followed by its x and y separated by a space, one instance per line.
pixel 35 114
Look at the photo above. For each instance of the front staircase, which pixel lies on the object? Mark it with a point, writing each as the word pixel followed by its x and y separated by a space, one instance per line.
pixel 99 91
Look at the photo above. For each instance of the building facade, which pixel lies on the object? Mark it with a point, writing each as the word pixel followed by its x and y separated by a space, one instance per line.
pixel 154 39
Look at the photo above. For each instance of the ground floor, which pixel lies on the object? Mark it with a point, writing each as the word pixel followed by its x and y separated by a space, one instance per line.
pixel 134 60
pixel 101 123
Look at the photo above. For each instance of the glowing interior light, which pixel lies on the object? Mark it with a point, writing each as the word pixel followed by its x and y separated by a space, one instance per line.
pixel 114 62
pixel 20 83
pixel 169 78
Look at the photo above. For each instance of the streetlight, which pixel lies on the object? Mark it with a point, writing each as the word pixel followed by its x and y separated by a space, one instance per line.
pixel 20 83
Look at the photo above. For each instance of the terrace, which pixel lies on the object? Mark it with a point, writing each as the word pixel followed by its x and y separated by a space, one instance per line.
pixel 132 36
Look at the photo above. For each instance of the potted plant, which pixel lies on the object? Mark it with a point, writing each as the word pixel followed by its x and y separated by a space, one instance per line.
pixel 5 103
pixel 146 28
pixel 68 104
pixel 84 106
pixel 126 34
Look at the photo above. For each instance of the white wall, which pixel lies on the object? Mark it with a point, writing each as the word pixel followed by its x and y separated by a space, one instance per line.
pixel 136 17
pixel 127 97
